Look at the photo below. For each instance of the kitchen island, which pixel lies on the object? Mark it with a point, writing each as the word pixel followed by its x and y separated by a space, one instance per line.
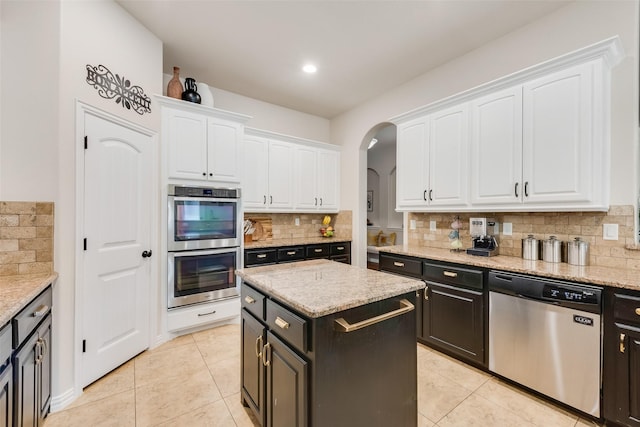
pixel 329 344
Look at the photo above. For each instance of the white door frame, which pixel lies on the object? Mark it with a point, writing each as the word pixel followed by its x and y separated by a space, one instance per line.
pixel 83 109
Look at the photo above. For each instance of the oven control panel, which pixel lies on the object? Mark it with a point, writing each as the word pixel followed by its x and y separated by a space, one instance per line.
pixel 222 193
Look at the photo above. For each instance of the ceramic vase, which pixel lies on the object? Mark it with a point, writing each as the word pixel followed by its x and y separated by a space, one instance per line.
pixel 191 91
pixel 174 88
pixel 205 94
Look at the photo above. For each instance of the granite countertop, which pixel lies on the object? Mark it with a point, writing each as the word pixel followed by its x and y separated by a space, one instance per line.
pixel 16 292
pixel 321 287
pixel 607 276
pixel 259 244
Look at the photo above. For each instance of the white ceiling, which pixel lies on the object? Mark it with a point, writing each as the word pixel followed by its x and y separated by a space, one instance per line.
pixel 362 48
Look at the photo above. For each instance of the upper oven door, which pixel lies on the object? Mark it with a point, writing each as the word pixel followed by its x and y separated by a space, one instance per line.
pixel 202 223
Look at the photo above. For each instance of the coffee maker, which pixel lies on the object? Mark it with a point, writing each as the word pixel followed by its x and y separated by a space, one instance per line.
pixel 483 233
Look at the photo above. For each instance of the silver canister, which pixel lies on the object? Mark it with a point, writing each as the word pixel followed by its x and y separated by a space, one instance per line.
pixel 552 250
pixel 530 248
pixel 578 252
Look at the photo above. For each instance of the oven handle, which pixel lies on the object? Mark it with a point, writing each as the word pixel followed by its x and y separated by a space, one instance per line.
pixel 341 325
pixel 202 199
pixel 197 252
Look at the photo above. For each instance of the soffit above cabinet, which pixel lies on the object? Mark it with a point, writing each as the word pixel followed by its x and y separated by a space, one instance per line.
pixel 249 131
pixel 166 101
pixel 610 51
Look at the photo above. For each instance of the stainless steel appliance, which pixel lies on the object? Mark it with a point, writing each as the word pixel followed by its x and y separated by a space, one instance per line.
pixel 203 218
pixel 199 276
pixel 545 334
pixel 204 236
pixel 483 240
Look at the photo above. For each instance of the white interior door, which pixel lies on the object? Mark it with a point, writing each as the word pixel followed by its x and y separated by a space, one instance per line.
pixel 115 284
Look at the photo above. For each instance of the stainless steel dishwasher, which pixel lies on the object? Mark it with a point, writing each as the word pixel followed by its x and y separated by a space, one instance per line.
pixel 545 335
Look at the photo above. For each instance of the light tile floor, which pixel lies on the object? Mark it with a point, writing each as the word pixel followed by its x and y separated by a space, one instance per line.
pixel 194 380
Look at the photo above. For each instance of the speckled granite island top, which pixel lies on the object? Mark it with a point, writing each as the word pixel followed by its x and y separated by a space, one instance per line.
pixel 17 291
pixel 321 287
pixel 607 276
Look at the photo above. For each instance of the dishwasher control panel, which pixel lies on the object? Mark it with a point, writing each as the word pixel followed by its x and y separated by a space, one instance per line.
pixel 562 293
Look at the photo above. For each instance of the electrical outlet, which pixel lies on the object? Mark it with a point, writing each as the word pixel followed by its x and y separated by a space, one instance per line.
pixel 609 231
pixel 297 221
pixel 507 228
pixel 432 226
pixel 412 224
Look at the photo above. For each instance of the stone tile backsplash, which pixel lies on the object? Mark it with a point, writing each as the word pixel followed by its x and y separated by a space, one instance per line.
pixel 622 253
pixel 26 238
pixel 279 226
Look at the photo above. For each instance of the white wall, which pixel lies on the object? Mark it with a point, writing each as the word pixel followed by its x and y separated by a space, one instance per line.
pixel 577 25
pixel 28 84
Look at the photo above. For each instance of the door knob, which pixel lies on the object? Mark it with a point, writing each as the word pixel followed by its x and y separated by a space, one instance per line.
pixel 147 254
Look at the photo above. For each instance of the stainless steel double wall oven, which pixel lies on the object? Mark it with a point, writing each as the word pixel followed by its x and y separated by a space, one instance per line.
pixel 203 243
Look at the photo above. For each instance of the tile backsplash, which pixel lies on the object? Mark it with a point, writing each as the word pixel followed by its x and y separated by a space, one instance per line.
pixel 622 253
pixel 26 238
pixel 280 226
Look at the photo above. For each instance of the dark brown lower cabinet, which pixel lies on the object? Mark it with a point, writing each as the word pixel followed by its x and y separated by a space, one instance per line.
pixel 621 357
pixel 253 373
pixel 32 377
pixel 286 385
pixel 6 397
pixel 452 319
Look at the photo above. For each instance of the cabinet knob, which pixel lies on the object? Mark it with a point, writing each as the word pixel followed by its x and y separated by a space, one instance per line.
pixel 638 311
pixel 317 250
pixel 204 174
pixel 249 300
pixel 210 174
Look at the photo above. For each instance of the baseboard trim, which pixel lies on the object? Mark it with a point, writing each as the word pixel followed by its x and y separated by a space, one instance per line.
pixel 61 401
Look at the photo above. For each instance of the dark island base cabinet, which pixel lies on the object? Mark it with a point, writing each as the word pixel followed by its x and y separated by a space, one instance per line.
pixel 621 357
pixel 6 398
pixel 310 374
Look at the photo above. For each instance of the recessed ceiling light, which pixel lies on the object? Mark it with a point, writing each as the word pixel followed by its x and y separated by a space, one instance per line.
pixel 309 68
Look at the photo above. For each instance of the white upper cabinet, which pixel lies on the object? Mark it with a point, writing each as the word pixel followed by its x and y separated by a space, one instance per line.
pixel 317 173
pixel 558 144
pixel 537 140
pixel 287 174
pixel 432 160
pixel 412 172
pixel 448 153
pixel 201 143
pixel 496 148
pixel 267 178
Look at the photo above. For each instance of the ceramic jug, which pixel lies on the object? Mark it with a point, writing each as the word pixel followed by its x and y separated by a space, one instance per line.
pixel 191 92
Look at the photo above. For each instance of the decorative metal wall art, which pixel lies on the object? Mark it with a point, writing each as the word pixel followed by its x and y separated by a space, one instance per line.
pixel 111 86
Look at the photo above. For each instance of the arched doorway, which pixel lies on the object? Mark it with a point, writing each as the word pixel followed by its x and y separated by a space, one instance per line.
pixel 379 224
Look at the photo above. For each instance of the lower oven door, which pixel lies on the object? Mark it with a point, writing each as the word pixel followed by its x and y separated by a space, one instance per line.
pixel 201 276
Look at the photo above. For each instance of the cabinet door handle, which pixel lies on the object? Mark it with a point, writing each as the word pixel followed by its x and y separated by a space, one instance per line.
pixel 424 195
pixel 41 311
pixel 259 347
pixel 283 324
pixel 526 189
pixel 450 274
pixel 265 354
pixel 270 200
pixel 638 311
pixel 516 189
pixel 320 201
pixel 622 337
pixel 342 325
pixel 317 251
pixel 315 203
pixel 426 293
pixel 264 199
pixel 261 256
pixel 291 253
pixel 430 195
pixel 341 248
pixel 249 300
pixel 398 264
